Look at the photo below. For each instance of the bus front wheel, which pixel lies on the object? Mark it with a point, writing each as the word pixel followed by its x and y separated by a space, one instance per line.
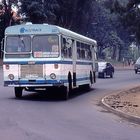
pixel 18 92
pixel 64 93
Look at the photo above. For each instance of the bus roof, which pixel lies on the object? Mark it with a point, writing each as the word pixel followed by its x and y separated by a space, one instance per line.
pixel 32 29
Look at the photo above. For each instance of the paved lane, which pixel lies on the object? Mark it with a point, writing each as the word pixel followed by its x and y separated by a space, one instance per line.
pixel 38 116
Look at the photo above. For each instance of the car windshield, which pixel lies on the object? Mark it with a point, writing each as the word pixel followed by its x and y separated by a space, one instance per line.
pixel 45 46
pixel 101 64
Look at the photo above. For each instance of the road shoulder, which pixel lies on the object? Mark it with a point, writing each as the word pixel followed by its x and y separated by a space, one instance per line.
pixel 1 63
pixel 124 103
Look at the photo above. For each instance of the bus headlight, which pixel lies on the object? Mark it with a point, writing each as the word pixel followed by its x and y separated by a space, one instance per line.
pixel 52 76
pixel 11 76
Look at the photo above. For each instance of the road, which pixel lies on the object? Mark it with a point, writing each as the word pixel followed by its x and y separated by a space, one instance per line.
pixel 42 117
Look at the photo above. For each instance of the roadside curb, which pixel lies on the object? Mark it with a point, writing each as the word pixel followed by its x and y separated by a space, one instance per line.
pixel 1 63
pixel 132 118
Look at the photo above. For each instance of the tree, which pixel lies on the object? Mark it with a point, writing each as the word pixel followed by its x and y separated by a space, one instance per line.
pixel 8 17
pixel 107 30
pixel 74 15
pixel 101 20
pixel 117 13
pixel 130 19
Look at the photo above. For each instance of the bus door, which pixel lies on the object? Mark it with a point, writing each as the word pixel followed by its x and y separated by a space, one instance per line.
pixel 74 57
pixel 69 51
pixel 71 44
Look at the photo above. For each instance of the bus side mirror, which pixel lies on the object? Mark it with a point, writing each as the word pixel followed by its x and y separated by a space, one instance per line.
pixel 2 45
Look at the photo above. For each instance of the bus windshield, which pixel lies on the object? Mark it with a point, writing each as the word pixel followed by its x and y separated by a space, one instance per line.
pixel 45 46
pixel 42 46
pixel 18 46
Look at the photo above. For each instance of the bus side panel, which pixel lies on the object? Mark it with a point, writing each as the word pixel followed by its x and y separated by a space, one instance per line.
pixel 83 74
pixel 65 70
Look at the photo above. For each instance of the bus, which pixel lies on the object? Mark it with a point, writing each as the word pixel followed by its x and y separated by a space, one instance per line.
pixel 41 56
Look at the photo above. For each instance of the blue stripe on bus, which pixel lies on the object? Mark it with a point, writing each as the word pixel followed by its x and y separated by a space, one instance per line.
pixel 31 82
pixel 39 82
pixel 48 62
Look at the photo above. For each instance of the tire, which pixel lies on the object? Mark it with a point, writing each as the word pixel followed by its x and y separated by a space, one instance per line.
pixel 104 75
pixel 69 89
pixel 136 71
pixel 111 75
pixel 18 92
pixel 64 93
pixel 87 87
pixel 94 78
pixel 91 78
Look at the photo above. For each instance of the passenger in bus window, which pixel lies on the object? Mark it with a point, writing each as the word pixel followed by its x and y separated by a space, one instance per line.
pixel 54 48
pixel 64 49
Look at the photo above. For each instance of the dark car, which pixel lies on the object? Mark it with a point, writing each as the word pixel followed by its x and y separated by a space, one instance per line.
pixel 137 66
pixel 105 69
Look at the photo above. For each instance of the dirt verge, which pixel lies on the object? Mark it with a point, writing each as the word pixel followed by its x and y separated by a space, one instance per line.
pixel 126 102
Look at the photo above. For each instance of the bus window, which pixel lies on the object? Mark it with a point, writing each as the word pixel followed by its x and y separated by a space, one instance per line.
pixel 70 52
pixel 63 49
pixel 78 49
pixel 83 53
pixel 89 56
pixel 67 48
pixel 86 51
pixel 90 52
pixel 18 45
pixel 83 50
pixel 45 46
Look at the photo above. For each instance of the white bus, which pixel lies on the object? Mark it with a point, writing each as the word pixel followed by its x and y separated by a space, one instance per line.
pixel 40 56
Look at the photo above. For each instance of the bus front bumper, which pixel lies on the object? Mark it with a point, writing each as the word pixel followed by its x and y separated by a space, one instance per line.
pixel 35 83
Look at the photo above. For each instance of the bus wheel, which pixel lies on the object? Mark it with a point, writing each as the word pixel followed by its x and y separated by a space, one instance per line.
pixel 111 75
pixel 89 86
pixel 64 92
pixel 91 78
pixel 18 92
pixel 69 88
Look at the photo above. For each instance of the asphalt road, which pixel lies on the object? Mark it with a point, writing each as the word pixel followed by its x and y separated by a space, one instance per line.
pixel 43 117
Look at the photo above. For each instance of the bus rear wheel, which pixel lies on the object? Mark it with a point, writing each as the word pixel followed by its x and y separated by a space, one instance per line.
pixel 18 92
pixel 69 88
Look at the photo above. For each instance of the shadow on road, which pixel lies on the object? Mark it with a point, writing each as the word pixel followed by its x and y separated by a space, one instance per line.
pixel 51 95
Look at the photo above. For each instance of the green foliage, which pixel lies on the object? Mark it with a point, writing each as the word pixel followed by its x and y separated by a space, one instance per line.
pixel 108 30
pixel 74 15
pixel 100 20
pixel 110 22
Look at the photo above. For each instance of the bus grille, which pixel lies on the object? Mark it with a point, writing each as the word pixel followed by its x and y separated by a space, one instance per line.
pixel 31 71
